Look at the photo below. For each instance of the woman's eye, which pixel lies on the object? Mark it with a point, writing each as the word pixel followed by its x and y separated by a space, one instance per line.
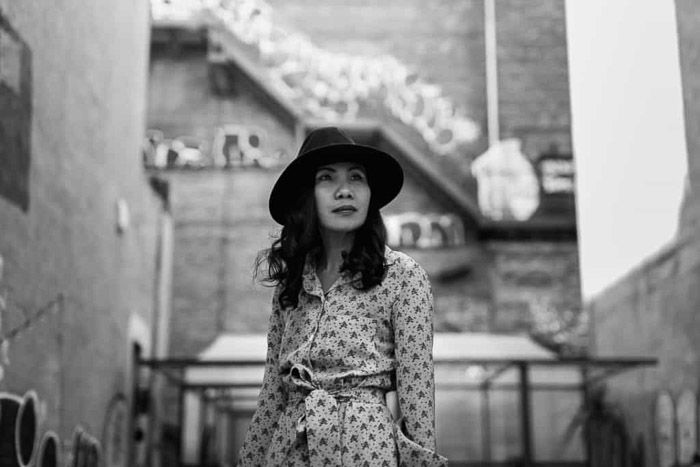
pixel 322 177
pixel 357 176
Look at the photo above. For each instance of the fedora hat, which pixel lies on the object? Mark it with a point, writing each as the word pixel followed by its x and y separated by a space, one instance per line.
pixel 327 146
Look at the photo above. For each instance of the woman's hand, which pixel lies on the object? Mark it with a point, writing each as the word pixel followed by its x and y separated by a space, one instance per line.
pixel 392 402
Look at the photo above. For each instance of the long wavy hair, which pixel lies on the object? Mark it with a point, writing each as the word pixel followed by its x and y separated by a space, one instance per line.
pixel 301 236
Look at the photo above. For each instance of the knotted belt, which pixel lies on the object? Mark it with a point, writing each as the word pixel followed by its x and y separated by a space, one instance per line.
pixel 320 423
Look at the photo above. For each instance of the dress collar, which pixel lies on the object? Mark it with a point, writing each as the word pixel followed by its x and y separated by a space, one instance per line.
pixel 312 284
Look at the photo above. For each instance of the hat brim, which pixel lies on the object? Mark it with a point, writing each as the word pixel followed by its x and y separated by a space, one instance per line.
pixel 384 175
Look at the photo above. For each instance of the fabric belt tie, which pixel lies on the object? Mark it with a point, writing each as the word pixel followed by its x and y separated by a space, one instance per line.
pixel 320 422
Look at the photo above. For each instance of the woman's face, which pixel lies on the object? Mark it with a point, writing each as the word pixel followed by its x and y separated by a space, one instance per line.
pixel 342 196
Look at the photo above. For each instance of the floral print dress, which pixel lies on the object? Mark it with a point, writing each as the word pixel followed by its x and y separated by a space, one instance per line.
pixel 330 362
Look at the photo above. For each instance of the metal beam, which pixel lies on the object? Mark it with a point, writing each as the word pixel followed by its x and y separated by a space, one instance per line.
pixel 197 363
pixel 525 423
pixel 495 374
pixel 485 422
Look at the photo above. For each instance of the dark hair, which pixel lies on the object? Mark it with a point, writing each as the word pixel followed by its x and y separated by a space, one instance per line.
pixel 301 236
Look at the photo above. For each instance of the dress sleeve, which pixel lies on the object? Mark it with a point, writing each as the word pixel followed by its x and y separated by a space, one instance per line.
pixel 412 315
pixel 271 400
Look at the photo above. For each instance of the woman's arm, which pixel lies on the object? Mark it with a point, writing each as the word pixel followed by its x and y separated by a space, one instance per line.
pixel 271 399
pixel 412 316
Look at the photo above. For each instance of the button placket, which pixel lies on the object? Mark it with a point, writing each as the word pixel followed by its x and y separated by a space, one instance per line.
pixel 321 316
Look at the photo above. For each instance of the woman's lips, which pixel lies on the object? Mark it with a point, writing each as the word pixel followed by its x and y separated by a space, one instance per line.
pixel 344 210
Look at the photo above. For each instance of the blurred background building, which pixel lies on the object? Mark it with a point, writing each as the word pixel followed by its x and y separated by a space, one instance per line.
pixel 234 88
pixel 137 150
pixel 473 99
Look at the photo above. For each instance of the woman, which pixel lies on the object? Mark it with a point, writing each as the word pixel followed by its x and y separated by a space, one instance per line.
pixel 351 320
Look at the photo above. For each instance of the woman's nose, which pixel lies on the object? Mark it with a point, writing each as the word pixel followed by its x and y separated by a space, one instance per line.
pixel 343 191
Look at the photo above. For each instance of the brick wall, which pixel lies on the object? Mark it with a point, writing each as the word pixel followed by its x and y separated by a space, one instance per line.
pixel 87 79
pixel 222 221
pixel 533 77
pixel 531 278
pixel 223 214
pixel 444 43
pixel 221 217
pixel 221 224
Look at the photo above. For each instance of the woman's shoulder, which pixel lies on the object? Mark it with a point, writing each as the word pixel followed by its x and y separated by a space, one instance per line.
pixel 399 262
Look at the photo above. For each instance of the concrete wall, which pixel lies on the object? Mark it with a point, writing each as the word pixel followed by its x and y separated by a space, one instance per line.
pixel 688 18
pixel 86 83
pixel 652 311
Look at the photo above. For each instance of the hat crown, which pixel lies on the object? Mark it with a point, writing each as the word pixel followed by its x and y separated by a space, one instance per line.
pixel 323 137
pixel 328 145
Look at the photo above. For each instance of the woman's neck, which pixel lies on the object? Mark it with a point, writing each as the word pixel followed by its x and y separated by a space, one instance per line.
pixel 334 244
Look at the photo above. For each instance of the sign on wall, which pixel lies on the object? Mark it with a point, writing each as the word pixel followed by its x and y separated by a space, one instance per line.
pixel 556 174
pixel 508 185
pixel 232 146
pixel 421 230
pixel 15 115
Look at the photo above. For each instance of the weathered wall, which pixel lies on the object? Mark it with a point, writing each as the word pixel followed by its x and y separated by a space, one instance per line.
pixel 444 43
pixel 533 76
pixel 653 310
pixel 86 79
pixel 223 214
pixel 688 17
pixel 221 217
pixel 182 102
pixel 222 221
pixel 532 281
